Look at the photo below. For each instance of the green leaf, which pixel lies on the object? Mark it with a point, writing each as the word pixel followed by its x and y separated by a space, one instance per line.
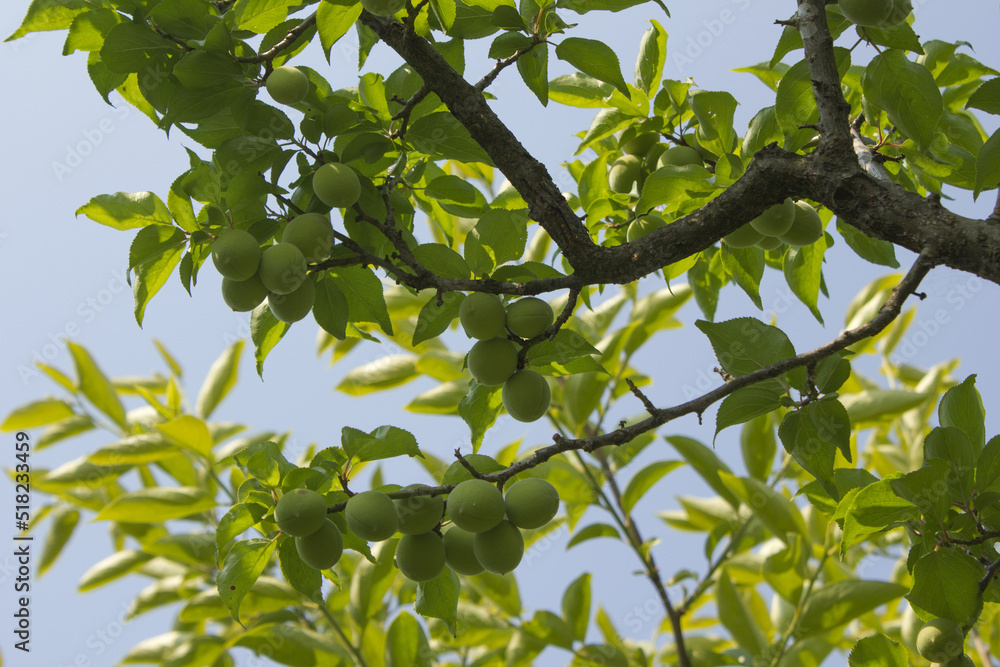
pixel 333 20
pixel 435 319
pixel 126 210
pixel 134 47
pixel 188 432
pixel 406 644
pixel 576 605
pixel 363 290
pixel 306 580
pixel 877 405
pixel 533 67
pixel 37 413
pixel 440 135
pixel 157 504
pixel 265 332
pixel 382 443
pixel 745 345
pixel 594 58
pixel 803 269
pixel 671 185
pixel 96 386
pixel 878 651
pixel 946 585
pixel 457 196
pixel 154 253
pixel 480 409
pixel 875 508
pixel 385 373
pixel 745 404
pixel 988 164
pixel 438 598
pixel 63 523
pixel 986 97
pixel 652 54
pixel 330 309
pixel 203 69
pixel 644 480
pixel 714 111
pixel 134 450
pixel 442 260
pixel 988 466
pixel 843 601
pixel 872 250
pixel 737 617
pixel 746 266
pixel 49 15
pixel 962 407
pixel 592 531
pixel 795 103
pixel 240 518
pixel 813 434
pixel 260 16
pixel 114 566
pixel 775 511
pixel 244 563
pixel 907 92
pixel 502 234
pixel 707 464
pixel 220 380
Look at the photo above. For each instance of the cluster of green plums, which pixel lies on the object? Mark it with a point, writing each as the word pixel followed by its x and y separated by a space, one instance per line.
pixel 881 14
pixel 483 534
pixel 643 155
pixel 793 223
pixel 493 360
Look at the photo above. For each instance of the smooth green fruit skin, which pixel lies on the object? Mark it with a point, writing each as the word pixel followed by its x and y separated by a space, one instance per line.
pixel 293 306
pixel 337 185
pixel 371 516
pixel 418 514
pixel 940 640
pixel 679 156
pixel 300 512
pixel 282 268
pixel 323 548
pixel 236 254
pixel 383 7
pixel 776 220
pixel 526 396
pixel 624 174
pixel 644 226
pixel 243 295
pixel 459 552
pixel 312 234
pixel 482 316
pixel 531 503
pixel 492 361
pixel 867 13
pixel 475 505
pixel 744 237
pixel 287 85
pixel 641 143
pixel 529 317
pixel 807 228
pixel 900 11
pixel 499 549
pixel 770 243
pixel 420 557
pixel 961 661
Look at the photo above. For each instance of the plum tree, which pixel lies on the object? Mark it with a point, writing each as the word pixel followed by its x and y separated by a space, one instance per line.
pixel 243 295
pixel 295 305
pixel 531 503
pixel 644 225
pixel 679 156
pixel 337 185
pixel 312 234
pixel 322 548
pixel 806 229
pixel 300 512
pixel 383 7
pixel 459 552
pixel 371 515
pixel 282 268
pixel 940 640
pixel 287 85
pixel 500 548
pixel 744 237
pixel 420 557
pixel 492 361
pixel 418 514
pixel 526 395
pixel 482 315
pixel 867 13
pixel 475 505
pixel 528 317
pixel 776 220
pixel 625 173
pixel 236 254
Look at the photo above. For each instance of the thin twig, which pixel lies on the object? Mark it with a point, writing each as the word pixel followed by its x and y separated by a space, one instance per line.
pixel 286 42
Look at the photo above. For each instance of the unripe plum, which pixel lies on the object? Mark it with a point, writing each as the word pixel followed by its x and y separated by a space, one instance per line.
pixel 371 516
pixel 961 661
pixel 940 640
pixel 806 229
pixel 776 220
pixel 482 315
pixel 744 237
pixel 499 549
pixel 420 557
pixel 293 306
pixel 475 505
pixel 531 503
pixel 282 268
pixel 770 243
pixel 311 233
pixel 236 254
pixel 459 552
pixel 900 11
pixel 300 512
pixel 322 548
pixel 526 395
pixel 243 295
pixel 287 85
pixel 418 514
pixel 529 317
pixel 625 172
pixel 337 185
pixel 383 7
pixel 867 13
pixel 644 226
pixel 679 156
pixel 492 361
pixel 641 143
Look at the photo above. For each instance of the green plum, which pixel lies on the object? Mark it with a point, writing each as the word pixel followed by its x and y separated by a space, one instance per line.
pixel 492 361
pixel 322 548
pixel 526 395
pixel 337 185
pixel 475 505
pixel 287 85
pixel 236 254
pixel 300 512
pixel 482 315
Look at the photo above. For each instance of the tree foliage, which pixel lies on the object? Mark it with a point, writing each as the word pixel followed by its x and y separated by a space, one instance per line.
pixel 841 467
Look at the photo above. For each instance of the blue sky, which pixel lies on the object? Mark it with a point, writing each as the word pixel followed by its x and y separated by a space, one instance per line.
pixel 64 278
